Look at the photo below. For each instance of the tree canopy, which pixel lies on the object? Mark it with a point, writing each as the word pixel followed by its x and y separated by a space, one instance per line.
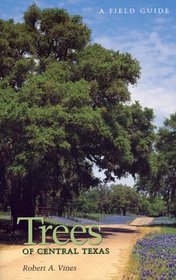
pixel 162 178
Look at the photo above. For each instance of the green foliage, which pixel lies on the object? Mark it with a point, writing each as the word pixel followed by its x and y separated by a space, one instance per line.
pixel 55 34
pixel 162 177
pixel 153 206
pixel 124 198
pixel 166 147
pixel 114 199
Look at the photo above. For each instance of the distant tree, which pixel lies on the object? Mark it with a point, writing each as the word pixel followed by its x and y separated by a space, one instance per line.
pixel 96 200
pixel 162 178
pixel 124 198
pixel 117 199
pixel 104 202
pixel 114 199
pixel 152 206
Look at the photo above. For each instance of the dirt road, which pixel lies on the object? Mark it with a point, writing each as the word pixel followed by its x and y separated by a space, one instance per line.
pixel 142 221
pixel 119 239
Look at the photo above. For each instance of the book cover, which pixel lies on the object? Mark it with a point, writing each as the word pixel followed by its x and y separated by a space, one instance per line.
pixel 87 140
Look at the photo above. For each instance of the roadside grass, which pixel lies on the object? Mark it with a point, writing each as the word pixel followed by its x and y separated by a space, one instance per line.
pixel 50 221
pixel 91 216
pixel 154 256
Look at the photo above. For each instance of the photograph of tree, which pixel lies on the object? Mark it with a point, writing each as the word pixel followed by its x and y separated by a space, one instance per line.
pixel 87 140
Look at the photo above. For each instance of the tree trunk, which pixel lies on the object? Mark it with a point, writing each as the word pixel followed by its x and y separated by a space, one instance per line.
pixel 22 201
pixel 60 207
pixel 124 211
pixel 64 197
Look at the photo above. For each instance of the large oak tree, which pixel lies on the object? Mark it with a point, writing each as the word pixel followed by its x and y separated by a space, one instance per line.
pixel 65 107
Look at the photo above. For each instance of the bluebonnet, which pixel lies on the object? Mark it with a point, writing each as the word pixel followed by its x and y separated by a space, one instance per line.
pixel 157 257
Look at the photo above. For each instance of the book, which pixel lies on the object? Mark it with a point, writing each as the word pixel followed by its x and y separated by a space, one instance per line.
pixel 87 139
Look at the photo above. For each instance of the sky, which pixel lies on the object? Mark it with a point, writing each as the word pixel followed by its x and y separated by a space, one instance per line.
pixel 144 28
